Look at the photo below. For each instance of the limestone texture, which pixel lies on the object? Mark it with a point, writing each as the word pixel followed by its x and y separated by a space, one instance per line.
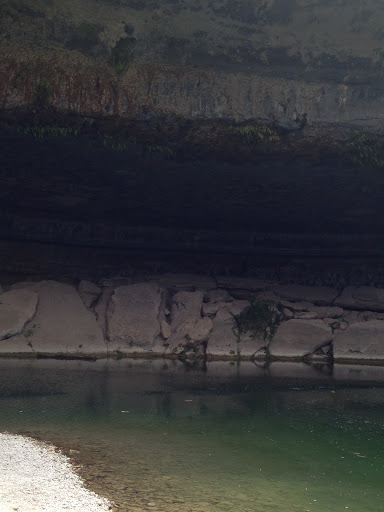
pixel 133 315
pixel 361 341
pixel 186 306
pixel 189 329
pixel 298 338
pixel 50 317
pixel 362 297
pixel 224 342
pixel 61 324
pixel 17 307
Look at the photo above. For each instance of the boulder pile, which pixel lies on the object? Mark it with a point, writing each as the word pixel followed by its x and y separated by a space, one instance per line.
pixel 190 317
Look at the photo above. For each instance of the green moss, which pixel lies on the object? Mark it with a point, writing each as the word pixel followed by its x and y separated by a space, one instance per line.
pixel 261 319
pixel 157 150
pixel 42 92
pixel 364 152
pixel 86 126
pixel 115 143
pixel 41 132
pixel 154 151
pixel 256 134
pixel 121 56
pixel 118 354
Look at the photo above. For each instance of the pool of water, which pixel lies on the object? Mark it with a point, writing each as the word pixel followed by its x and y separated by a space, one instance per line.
pixel 156 435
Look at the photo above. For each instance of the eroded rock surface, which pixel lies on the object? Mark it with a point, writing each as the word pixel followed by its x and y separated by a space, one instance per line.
pixel 133 315
pixel 362 297
pixel 89 292
pixel 222 341
pixel 189 329
pixel 17 307
pixel 61 324
pixel 362 340
pixel 298 338
pixel 51 317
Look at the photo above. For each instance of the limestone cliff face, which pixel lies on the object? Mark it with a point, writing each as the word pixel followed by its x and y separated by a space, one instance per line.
pixel 287 62
pixel 223 127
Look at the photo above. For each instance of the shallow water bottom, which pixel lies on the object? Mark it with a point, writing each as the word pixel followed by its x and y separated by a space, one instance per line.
pixel 155 435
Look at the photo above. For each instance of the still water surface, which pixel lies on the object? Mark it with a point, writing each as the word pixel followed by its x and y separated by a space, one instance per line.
pixel 154 435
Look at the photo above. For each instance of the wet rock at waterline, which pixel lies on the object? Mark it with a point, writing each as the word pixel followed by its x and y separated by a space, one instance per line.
pixel 361 341
pixel 225 340
pixel 61 324
pixel 186 321
pixel 298 338
pixel 190 337
pixel 222 341
pixel 189 329
pixel 17 307
pixel 133 315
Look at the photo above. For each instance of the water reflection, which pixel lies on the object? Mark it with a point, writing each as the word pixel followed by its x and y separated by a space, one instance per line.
pixel 231 437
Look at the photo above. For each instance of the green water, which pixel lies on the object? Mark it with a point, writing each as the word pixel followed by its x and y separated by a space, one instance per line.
pixel 162 437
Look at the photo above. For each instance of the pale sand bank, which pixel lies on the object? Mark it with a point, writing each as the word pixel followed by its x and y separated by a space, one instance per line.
pixel 35 477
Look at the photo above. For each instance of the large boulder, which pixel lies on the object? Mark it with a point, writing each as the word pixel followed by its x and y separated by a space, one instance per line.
pixel 190 338
pixel 17 307
pixel 362 297
pixel 133 316
pixel 61 324
pixel 225 342
pixel 189 330
pixel 298 338
pixel 186 306
pixel 319 295
pixel 362 340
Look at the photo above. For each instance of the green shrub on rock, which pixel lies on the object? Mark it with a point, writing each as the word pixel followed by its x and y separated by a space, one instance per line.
pixel 261 319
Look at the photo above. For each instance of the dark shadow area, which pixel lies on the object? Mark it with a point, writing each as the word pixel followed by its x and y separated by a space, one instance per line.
pixel 78 205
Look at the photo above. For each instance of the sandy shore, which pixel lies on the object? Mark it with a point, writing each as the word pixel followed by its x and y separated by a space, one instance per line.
pixel 35 477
